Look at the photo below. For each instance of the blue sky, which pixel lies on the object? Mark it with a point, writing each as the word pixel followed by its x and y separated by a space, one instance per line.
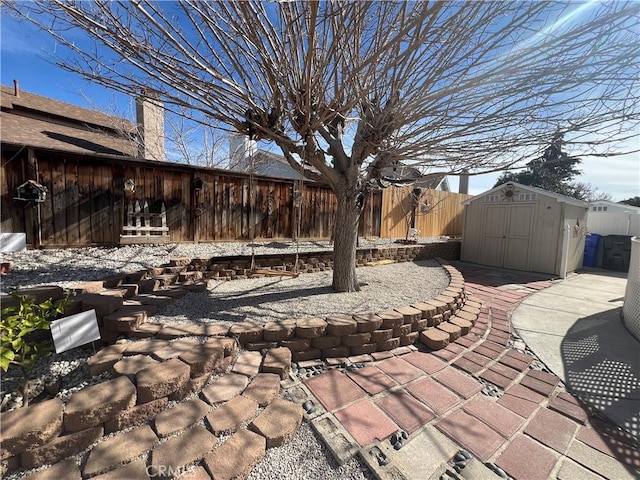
pixel 25 55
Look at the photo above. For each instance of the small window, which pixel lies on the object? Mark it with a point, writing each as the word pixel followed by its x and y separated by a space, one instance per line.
pixel 594 209
pixel 604 209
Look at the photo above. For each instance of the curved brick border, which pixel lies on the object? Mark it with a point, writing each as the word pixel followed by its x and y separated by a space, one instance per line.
pixel 157 370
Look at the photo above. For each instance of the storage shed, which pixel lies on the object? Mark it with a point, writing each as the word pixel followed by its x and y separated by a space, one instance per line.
pixel 524 228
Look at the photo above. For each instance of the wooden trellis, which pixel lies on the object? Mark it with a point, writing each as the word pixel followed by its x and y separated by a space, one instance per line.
pixel 140 226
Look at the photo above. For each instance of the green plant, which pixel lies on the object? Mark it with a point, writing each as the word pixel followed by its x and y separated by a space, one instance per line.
pixel 21 330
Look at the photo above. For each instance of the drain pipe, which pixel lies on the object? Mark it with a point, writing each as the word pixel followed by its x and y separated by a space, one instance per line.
pixel 566 232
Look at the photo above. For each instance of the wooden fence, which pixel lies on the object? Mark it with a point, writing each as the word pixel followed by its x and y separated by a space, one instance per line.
pixel 433 212
pixel 87 200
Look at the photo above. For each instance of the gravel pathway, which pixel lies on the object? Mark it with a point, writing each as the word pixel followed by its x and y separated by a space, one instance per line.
pixel 263 299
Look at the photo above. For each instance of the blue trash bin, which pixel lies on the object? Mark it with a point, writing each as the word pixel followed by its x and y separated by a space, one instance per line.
pixel 591 244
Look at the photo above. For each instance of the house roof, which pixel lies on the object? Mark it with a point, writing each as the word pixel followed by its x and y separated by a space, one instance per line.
pixel 617 205
pixel 41 122
pixel 557 196
pixel 269 164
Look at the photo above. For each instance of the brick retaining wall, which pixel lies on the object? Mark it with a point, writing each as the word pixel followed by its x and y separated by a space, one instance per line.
pixel 166 365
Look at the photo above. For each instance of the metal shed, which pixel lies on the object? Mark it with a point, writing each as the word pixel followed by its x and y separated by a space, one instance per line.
pixel 524 228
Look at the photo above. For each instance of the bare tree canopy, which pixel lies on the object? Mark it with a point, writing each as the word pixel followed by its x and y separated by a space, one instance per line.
pixel 346 89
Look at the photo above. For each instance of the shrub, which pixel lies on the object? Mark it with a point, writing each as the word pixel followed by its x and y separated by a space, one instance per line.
pixel 21 330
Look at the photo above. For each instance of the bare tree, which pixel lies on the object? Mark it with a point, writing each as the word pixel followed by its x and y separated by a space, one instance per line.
pixel 444 86
pixel 186 141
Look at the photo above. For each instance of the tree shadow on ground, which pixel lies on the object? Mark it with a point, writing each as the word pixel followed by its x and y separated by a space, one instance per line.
pixel 602 370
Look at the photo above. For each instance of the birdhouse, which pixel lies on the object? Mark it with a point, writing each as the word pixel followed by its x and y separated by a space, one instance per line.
pixel 31 191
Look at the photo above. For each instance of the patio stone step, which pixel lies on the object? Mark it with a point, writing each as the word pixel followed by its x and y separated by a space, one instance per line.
pixel 278 422
pixel 237 456
pixel 118 450
pixel 434 338
pixel 94 405
pixel 161 380
pixel 29 427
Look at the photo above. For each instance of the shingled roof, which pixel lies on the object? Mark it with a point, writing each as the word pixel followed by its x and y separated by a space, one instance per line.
pixel 40 122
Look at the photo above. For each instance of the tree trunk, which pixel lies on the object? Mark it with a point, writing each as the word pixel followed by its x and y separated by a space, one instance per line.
pixel 24 387
pixel 344 248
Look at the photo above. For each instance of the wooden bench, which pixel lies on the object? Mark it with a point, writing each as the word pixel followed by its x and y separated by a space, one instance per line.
pixel 140 226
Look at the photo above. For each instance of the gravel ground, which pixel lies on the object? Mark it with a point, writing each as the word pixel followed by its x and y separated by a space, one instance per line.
pixel 263 299
pixel 271 298
pixel 66 266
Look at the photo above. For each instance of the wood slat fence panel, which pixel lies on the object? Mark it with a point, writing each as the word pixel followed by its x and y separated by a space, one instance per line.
pixel 86 203
pixel 443 216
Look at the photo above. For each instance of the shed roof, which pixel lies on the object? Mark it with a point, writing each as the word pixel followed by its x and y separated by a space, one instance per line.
pixel 540 191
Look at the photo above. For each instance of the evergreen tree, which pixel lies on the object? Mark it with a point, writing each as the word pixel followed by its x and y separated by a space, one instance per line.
pixel 633 201
pixel 553 171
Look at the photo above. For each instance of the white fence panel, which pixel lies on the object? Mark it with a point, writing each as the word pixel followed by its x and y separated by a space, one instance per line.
pixel 606 223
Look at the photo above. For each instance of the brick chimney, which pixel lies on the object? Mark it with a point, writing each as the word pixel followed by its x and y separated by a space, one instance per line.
pixel 150 118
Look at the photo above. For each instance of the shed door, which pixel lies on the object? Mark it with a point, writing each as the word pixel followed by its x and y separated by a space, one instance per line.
pixel 507 236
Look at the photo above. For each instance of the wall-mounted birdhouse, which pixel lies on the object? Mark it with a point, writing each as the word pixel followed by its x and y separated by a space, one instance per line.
pixel 31 191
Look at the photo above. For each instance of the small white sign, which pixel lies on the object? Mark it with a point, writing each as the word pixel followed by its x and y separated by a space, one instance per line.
pixel 13 242
pixel 75 330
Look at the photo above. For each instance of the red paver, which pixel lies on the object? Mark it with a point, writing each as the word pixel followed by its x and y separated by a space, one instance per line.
pixel 551 429
pixel 466 341
pixel 445 354
pixel 494 337
pixel 519 391
pixel 492 346
pixel 334 389
pixel 498 337
pixel 496 379
pixel 453 348
pixel 460 383
pixel 477 358
pixel 520 356
pixel 501 419
pixel 401 371
pixel 537 385
pixel 505 371
pixel 501 329
pixel 405 410
pixel 366 422
pixel 371 379
pixel 487 352
pixel 524 458
pixel 478 330
pixel 545 377
pixel 467 365
pixel 514 363
pixel 522 407
pixel 436 396
pixel 569 407
pixel 471 434
pixel 425 362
